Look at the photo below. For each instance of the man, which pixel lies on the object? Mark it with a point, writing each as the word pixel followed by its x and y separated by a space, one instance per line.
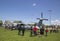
pixel 31 31
pixel 35 29
pixel 19 29
pixel 41 31
pixel 12 27
pixel 23 29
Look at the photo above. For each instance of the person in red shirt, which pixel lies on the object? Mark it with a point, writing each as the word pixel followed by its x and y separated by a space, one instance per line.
pixel 35 29
pixel 46 31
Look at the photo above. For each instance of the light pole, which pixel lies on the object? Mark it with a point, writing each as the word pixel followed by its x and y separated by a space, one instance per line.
pixel 50 15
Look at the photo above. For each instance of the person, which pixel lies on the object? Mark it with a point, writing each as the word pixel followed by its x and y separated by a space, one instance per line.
pixel 51 30
pixel 41 31
pixel 57 29
pixel 34 30
pixel 8 26
pixel 19 29
pixel 12 27
pixel 54 29
pixel 46 31
pixel 5 26
pixel 31 31
pixel 23 29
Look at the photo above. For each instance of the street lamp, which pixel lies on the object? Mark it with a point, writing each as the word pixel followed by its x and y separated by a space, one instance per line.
pixel 50 15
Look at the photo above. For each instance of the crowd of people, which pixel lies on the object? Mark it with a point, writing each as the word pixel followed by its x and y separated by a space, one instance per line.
pixel 34 31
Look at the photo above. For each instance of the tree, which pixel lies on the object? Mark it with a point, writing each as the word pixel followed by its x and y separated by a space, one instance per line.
pixel 1 22
pixel 17 22
pixel 7 22
pixel 32 24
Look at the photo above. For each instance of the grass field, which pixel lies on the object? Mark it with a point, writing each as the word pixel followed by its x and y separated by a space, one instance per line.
pixel 7 35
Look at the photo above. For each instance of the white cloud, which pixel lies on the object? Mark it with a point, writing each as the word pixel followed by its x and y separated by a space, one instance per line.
pixel 55 22
pixel 34 4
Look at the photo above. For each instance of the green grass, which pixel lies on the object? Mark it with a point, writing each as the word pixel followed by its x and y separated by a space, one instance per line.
pixel 7 35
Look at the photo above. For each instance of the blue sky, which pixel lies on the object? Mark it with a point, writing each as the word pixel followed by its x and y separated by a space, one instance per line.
pixel 29 10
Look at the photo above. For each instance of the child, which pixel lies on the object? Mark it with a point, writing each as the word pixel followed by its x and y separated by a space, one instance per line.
pixel 46 31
